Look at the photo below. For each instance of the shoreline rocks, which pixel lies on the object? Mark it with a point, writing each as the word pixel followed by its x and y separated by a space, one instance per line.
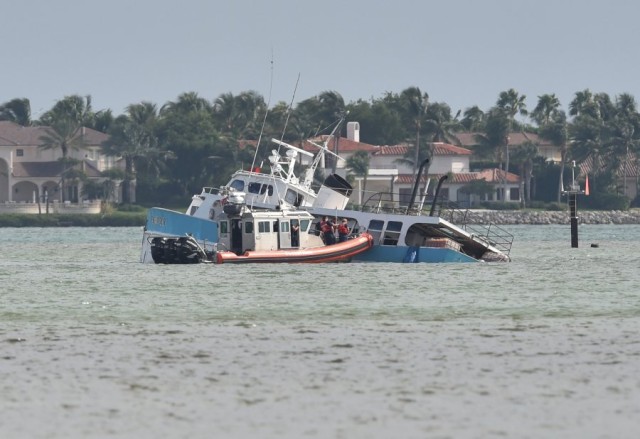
pixel 533 217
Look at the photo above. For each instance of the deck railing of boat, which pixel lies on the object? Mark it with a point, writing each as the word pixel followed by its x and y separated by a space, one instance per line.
pixel 472 222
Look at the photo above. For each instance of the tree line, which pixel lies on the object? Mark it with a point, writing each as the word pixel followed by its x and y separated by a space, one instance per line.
pixel 175 149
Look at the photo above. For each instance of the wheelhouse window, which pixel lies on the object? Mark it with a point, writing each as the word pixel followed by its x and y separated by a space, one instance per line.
pixel 248 227
pixel 237 185
pixel 304 225
pixel 284 226
pixel 257 188
pixel 224 227
pixel 375 229
pixel 19 152
pixel 264 227
pixel 293 198
pixel 392 234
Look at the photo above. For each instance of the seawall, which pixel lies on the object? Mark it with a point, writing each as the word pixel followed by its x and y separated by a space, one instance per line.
pixel 509 217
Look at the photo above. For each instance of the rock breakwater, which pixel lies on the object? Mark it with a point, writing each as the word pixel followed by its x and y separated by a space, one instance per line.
pixel 533 217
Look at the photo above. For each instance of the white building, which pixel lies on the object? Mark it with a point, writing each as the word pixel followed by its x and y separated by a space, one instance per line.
pixel 389 173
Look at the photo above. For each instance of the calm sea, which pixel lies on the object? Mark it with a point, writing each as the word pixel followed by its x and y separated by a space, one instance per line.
pixel 94 344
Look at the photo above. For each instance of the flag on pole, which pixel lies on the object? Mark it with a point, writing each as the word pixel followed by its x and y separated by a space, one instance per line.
pixel 586 185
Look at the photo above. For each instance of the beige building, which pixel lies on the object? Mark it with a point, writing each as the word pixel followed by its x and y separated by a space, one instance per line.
pixel 30 174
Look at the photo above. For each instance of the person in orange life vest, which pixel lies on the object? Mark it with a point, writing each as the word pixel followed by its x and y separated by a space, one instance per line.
pixel 327 231
pixel 343 230
pixel 319 225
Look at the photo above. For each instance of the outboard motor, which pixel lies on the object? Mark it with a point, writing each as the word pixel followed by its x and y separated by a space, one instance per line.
pixel 182 250
pixel 234 203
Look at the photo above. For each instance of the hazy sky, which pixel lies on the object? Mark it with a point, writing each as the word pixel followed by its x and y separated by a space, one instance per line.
pixel 462 52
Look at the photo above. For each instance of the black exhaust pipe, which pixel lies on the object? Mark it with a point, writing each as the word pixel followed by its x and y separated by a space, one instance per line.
pixel 435 196
pixel 415 185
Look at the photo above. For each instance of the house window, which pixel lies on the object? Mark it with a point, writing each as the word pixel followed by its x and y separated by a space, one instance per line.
pixel 19 152
pixel 514 194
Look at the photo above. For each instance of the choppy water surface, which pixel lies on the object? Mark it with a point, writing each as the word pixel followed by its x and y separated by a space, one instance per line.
pixel 94 344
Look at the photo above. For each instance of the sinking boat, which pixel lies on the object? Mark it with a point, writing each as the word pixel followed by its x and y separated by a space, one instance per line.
pixel 404 234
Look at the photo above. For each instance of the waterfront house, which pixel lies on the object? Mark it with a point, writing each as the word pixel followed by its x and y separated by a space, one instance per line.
pixel 30 175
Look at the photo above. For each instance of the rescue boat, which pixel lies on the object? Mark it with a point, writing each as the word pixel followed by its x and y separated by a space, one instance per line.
pixel 340 252
pixel 278 235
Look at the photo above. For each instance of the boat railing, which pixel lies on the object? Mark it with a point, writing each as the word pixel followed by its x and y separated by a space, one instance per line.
pixel 470 221
pixel 475 224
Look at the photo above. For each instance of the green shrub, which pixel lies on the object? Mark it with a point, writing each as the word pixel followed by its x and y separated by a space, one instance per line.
pixel 555 206
pixel 500 205
pixel 116 219
pixel 131 208
pixel 604 201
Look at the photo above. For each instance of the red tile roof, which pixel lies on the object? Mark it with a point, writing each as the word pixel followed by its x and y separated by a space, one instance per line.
pixel 628 166
pixel 515 138
pixel 344 145
pixel 12 134
pixel 439 148
pixel 490 175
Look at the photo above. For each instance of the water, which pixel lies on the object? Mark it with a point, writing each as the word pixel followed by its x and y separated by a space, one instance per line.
pixel 94 344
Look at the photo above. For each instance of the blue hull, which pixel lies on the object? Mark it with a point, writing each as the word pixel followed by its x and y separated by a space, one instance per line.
pixel 171 223
pixel 383 253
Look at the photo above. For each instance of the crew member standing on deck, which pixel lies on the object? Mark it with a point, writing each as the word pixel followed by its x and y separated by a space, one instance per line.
pixel 328 231
pixel 343 230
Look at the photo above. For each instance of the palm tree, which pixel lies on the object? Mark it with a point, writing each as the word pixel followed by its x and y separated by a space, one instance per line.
pixel 415 105
pixel 64 133
pixel 473 119
pixel 73 107
pixel 495 134
pixel 552 123
pixel 239 117
pixel 441 125
pixel 186 102
pixel 547 106
pixel 130 141
pixel 556 130
pixel 102 121
pixel 512 104
pixel 358 163
pixel 623 136
pixel 524 155
pixel 584 103
pixel 143 114
pixel 588 132
pixel 17 110
pixel 331 107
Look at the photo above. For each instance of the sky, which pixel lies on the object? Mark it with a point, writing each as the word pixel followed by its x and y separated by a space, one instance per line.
pixel 461 52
